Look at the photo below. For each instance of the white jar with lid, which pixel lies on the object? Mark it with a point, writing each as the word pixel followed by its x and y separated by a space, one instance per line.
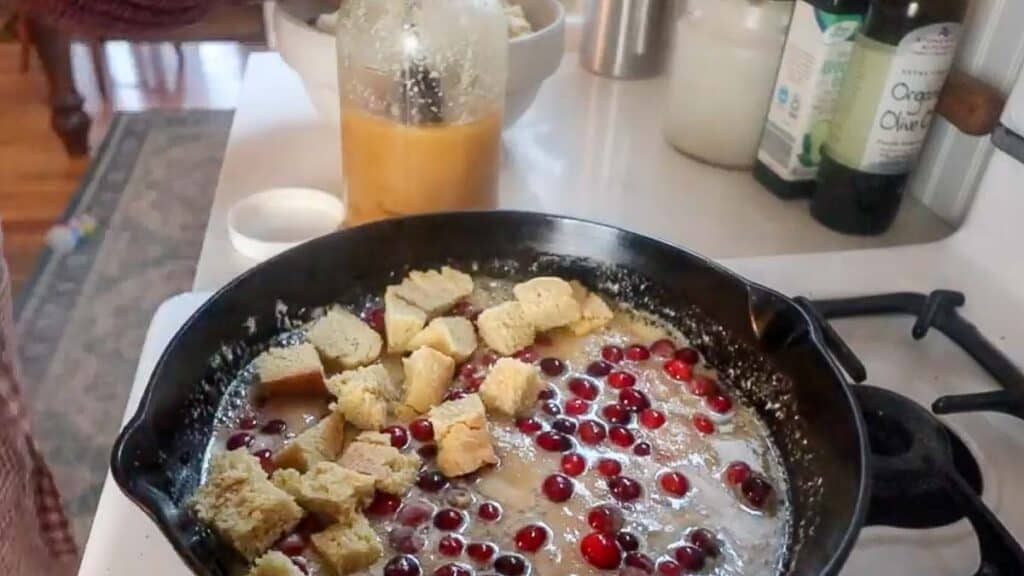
pixel 725 57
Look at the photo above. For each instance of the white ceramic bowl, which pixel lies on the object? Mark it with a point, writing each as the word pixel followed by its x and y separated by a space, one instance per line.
pixel 267 223
pixel 311 53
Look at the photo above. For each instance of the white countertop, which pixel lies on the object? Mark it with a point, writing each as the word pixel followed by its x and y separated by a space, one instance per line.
pixel 589 147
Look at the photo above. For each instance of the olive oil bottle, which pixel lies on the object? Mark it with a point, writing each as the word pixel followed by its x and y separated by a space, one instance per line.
pixel 900 62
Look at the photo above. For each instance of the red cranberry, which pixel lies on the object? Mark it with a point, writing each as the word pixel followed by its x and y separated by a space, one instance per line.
pixel 640 561
pixel 637 353
pixel 705 540
pixel 551 408
pixel 422 430
pixel 510 565
pixel 628 541
pixel 651 418
pixel 548 393
pixel 450 545
pixel 612 354
pixel 702 386
pixel 642 449
pixel 620 380
pixel 463 308
pixel 453 569
pixel 690 558
pixel 736 473
pixel 599 368
pixel 375 318
pixel 489 357
pixel 609 467
pixel 668 567
pixel 531 538
pixel 605 518
pixel 248 422
pixel 275 426
pixel 678 370
pixel 558 488
pixel 291 545
pixel 573 464
pixel 427 451
pixel 528 425
pixel 552 367
pixel 266 460
pixel 703 424
pixel 564 425
pixel 383 504
pixel 663 348
pixel 415 513
pixel 624 488
pixel 448 519
pixel 431 481
pixel 474 383
pixel 719 403
pixel 756 491
pixel 576 406
pixel 467 371
pixel 601 551
pixel 621 436
pixel 239 440
pixel 592 432
pixel 616 414
pixel 489 511
pixel 634 400
pixel 688 355
pixel 405 539
pixel 528 355
pixel 584 388
pixel 554 441
pixel 674 483
pixel 454 394
pixel 402 566
pixel 481 551
pixel 399 437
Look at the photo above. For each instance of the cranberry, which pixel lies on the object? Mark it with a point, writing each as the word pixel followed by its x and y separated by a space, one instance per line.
pixel 489 357
pixel 463 308
pixel 576 407
pixel 239 440
pixel 510 565
pixel 275 426
pixel 703 424
pixel 624 488
pixel 584 388
pixel 405 539
pixel 599 368
pixel 702 386
pixel 427 451
pixel 449 519
pixel 690 558
pixel 453 569
pixel 528 355
pixel 642 449
pixel 678 370
pixel 528 425
pixel 663 348
pixel 705 540
pixel 621 436
pixel 688 355
pixel 454 394
pixel 383 504
pixel 620 380
pixel 548 393
pixel 431 481
pixel 248 422
pixel 612 354
pixel 628 541
pixel 605 518
pixel 674 483
pixel 266 460
pixel 481 551
pixel 415 513
pixel 551 408
pixel 467 371
pixel 601 550
pixel 637 353
pixel 651 418
pixel 422 430
pixel 399 437
pixel 557 487
pixel 554 441
pixel 564 425
pixel 291 545
pixel 552 367
pixel 639 561
pixel 531 538
pixel 402 566
pixel 634 400
pixel 669 568
pixel 756 491
pixel 450 545
pixel 375 318
pixel 719 403
pixel 736 473
pixel 592 432
pixel 573 464
pixel 474 383
pixel 616 414
pixel 489 511
pixel 609 467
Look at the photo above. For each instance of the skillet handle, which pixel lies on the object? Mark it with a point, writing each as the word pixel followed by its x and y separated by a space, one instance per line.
pixel 1001 555
pixel 839 350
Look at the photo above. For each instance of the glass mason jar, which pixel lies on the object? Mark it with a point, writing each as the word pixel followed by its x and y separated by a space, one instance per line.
pixel 422 88
pixel 725 57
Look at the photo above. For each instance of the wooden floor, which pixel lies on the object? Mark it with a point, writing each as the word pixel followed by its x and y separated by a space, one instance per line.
pixel 37 178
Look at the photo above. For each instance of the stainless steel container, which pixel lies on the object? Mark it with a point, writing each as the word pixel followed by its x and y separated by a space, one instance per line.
pixel 624 38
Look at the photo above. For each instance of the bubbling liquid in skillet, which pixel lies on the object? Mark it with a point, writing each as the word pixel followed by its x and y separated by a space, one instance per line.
pixel 682 475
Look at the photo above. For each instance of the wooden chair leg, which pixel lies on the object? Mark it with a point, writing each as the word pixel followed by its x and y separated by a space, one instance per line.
pixel 67 117
pixel 99 66
pixel 26 44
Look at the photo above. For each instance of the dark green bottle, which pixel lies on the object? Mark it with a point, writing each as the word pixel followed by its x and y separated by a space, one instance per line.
pixel 899 65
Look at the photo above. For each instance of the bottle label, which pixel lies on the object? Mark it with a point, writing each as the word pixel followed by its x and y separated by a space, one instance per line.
pixel 889 97
pixel 814 62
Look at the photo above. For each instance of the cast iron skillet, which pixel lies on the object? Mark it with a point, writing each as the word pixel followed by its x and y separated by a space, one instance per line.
pixel 762 341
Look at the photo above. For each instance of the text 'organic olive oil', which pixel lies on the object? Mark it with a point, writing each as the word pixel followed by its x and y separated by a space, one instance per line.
pixel 900 62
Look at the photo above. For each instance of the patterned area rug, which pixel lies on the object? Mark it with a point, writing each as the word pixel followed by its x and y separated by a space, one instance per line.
pixel 82 319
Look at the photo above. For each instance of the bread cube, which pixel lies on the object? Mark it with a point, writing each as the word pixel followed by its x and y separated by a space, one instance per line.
pixel 468 410
pixel 505 328
pixel 547 302
pixel 245 508
pixel 343 340
pixel 435 292
pixel 370 437
pixel 463 450
pixel 327 489
pixel 322 442
pixel 348 546
pixel 290 370
pixel 449 335
pixel 511 387
pixel 361 396
pixel 594 313
pixel 428 373
pixel 402 320
pixel 393 471
pixel 274 563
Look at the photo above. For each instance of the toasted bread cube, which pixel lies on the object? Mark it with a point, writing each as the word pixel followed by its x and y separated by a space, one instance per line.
pixel 274 563
pixel 322 442
pixel 290 370
pixel 327 489
pixel 548 302
pixel 371 437
pixel 511 386
pixel 435 292
pixel 348 546
pixel 468 410
pixel 428 373
pixel 402 320
pixel 392 471
pixel 450 335
pixel 245 508
pixel 361 396
pixel 343 340
pixel 594 313
pixel 505 328
pixel 463 450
